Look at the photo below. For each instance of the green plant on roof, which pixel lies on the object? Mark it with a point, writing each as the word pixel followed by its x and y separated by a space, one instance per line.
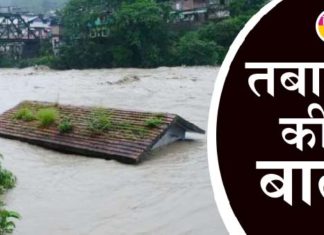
pixel 47 116
pixel 25 114
pixel 65 125
pixel 99 121
pixel 139 132
pixel 131 130
pixel 153 122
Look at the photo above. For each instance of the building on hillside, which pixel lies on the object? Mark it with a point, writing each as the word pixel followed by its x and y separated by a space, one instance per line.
pixel 183 5
pixel 100 28
pixel 199 10
pixel 39 26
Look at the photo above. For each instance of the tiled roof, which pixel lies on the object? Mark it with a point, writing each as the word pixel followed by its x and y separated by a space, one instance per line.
pixel 128 140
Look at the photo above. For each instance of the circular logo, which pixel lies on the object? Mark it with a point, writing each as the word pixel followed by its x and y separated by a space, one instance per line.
pixel 320 26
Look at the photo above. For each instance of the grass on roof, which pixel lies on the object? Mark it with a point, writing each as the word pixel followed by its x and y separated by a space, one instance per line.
pixel 47 116
pixel 98 121
pixel 25 114
pixel 153 122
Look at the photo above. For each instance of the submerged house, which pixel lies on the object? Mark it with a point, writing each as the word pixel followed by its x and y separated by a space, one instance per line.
pixel 129 137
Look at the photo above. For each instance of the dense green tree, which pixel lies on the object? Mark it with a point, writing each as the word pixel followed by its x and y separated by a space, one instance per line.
pixel 246 7
pixel 140 32
pixel 225 31
pixel 140 36
pixel 192 50
pixel 76 16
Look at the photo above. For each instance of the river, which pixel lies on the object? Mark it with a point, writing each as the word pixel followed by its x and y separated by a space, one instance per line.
pixel 61 194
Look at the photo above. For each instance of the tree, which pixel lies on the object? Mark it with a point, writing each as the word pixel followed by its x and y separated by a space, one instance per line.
pixel 246 7
pixel 192 50
pixel 225 31
pixel 140 32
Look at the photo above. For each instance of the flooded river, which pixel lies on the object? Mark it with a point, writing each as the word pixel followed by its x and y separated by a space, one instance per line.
pixel 60 194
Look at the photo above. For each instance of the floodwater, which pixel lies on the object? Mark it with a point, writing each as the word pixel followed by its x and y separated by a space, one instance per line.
pixel 60 194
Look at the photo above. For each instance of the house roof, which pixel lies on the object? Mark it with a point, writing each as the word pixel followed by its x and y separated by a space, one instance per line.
pixel 40 25
pixel 128 139
pixel 30 18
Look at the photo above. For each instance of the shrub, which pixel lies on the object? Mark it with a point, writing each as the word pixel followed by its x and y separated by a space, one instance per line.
pixel 131 130
pixel 122 56
pixel 139 31
pixel 6 223
pixel 191 50
pixel 99 121
pixel 65 125
pixel 47 116
pixel 25 114
pixel 153 122
pixel 6 62
pixel 7 181
pixel 43 60
pixel 223 32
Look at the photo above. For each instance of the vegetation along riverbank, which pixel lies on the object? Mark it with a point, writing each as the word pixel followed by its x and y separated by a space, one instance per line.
pixel 7 181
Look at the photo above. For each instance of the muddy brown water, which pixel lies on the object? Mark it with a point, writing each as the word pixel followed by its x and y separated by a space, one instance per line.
pixel 169 193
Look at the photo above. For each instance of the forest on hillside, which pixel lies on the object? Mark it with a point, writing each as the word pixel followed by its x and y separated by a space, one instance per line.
pixel 140 33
